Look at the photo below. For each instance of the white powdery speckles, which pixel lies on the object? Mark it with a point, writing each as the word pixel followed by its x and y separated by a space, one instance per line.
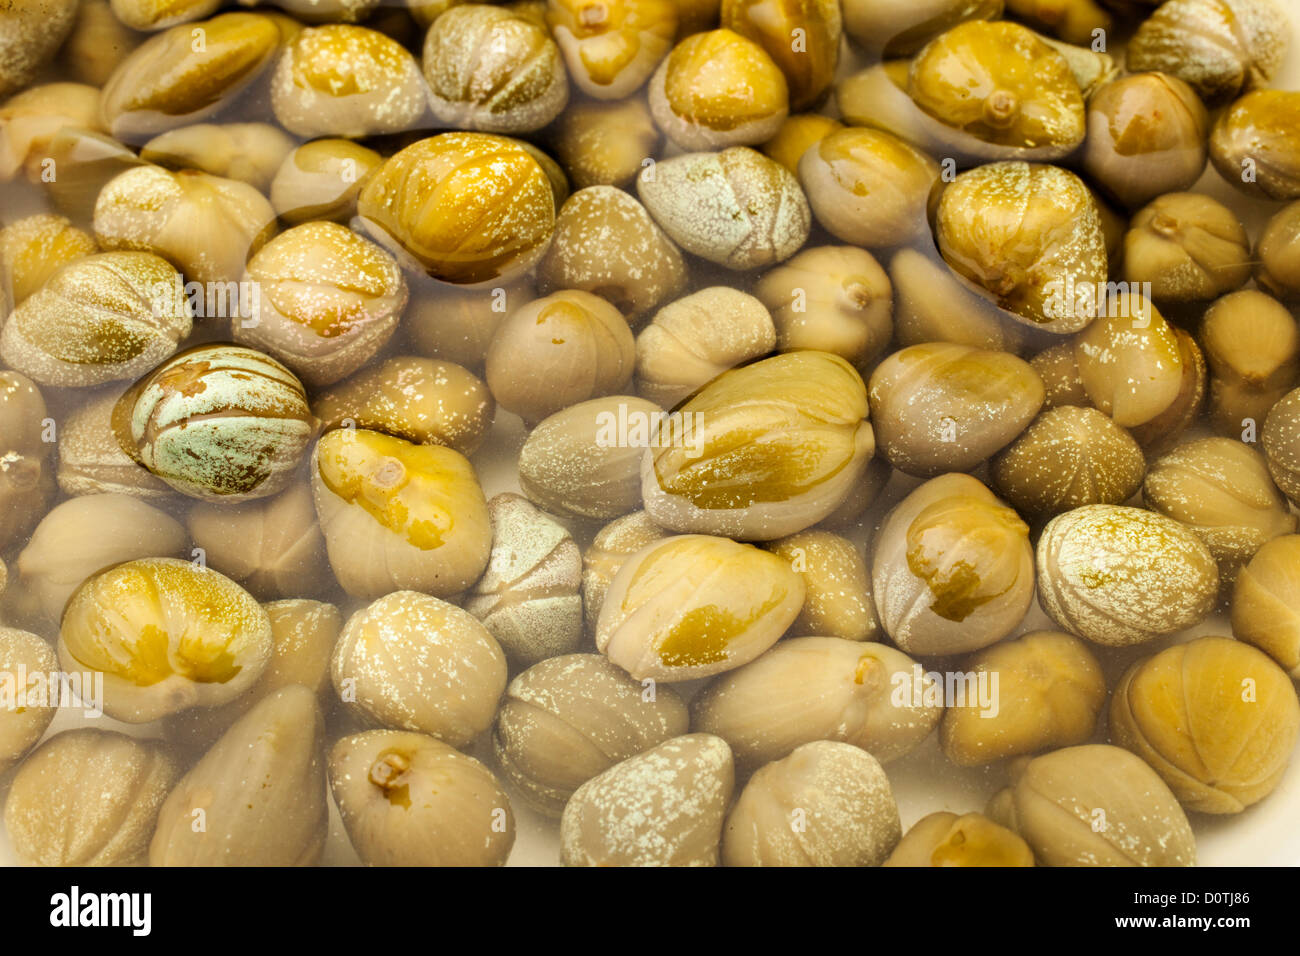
pixel 664 807
pixel 737 208
pixel 1119 576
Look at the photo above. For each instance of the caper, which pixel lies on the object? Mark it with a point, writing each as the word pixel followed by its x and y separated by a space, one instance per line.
pixel 466 207
pixel 1147 136
pixel 1278 253
pixel 604 143
pixel 493 70
pixel 945 407
pixel 171 80
pixel 345 80
pixel 951 568
pixel 1252 345
pixel 1216 718
pixel 868 187
pixel 899 27
pixel 801 36
pixel 1031 237
pixel 1255 145
pixel 612 46
pixel 1187 247
pixel 831 298
pixel 607 244
pixel 736 208
pixel 1221 47
pixel 1068 457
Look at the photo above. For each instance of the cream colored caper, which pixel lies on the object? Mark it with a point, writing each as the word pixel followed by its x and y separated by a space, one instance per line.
pixel 606 243
pixel 30 120
pixel 1220 488
pixel 569 718
pixel 945 839
pixel 1067 457
pixel 1266 602
pixel 100 318
pixel 491 69
pixel 345 80
pixel 1118 576
pixel 609 551
pixel 27 708
pixel 82 536
pixel 32 249
pixel 694 605
pixel 397 515
pixel 303 635
pixel 663 807
pixel 602 143
pixel 827 804
pixel 172 80
pixel 837 601
pixel 260 792
pixel 25 486
pixel 585 461
pixel 321 180
pixel 832 298
pixel 945 407
pixel 248 152
pixel 273 546
pixel 696 479
pixel 412 662
pixel 952 568
pixel 421 400
pixel 1188 246
pixel 410 800
pixel 528 597
pixel 92 461
pixel 1146 137
pixel 1046 690
pixel 1097 805
pixel 735 208
pixel 820 688
pixel 1030 236
pixel 932 305
pixel 1252 346
pixel 89 797
pixel 204 225
pixel 1130 361
pixel 695 339
pixel 166 634
pixel 327 300
pixel 868 187
pixel 612 46
pixel 558 351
